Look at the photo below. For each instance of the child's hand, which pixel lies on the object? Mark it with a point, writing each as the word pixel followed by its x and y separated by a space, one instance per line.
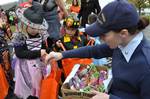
pixel 58 43
pixel 43 52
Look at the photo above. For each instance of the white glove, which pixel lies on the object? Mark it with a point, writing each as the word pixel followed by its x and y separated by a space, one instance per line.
pixel 53 55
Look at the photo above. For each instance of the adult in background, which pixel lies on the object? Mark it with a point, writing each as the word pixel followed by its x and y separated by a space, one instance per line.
pixel 87 7
pixel 75 8
pixel 51 15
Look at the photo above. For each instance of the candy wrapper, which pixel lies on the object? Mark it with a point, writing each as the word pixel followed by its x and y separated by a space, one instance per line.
pixel 85 78
pixel 89 77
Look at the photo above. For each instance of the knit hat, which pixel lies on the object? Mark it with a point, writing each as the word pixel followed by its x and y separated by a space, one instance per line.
pixel 32 17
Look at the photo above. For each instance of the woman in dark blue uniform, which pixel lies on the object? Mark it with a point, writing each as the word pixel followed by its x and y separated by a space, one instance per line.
pixel 120 27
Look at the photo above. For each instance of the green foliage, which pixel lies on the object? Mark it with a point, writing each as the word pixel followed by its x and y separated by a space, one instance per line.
pixel 69 1
pixel 13 28
pixel 141 4
pixel 147 16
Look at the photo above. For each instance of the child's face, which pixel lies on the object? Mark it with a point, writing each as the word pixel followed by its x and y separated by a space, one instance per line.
pixel 70 31
pixel 69 22
pixel 33 31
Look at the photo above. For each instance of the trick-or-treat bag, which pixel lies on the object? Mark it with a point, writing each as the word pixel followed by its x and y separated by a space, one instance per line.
pixel 4 84
pixel 50 85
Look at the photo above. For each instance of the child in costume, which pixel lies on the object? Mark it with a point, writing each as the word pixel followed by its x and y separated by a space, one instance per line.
pixel 5 69
pixel 5 36
pixel 71 37
pixel 30 48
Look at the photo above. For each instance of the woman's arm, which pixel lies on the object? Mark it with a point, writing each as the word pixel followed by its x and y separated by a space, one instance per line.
pixel 98 51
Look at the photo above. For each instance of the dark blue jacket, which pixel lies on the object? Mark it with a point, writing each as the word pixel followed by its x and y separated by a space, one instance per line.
pixel 131 80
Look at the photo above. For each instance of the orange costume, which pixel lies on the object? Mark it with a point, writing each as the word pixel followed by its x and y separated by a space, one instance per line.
pixel 4 84
pixel 75 9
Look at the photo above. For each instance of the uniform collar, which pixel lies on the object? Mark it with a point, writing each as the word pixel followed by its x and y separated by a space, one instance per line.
pixel 128 50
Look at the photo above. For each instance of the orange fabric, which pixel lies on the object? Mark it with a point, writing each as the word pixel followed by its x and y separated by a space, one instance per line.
pixel 56 71
pixel 4 84
pixel 70 62
pixel 75 9
pixel 49 89
pixel 25 4
pixel 50 85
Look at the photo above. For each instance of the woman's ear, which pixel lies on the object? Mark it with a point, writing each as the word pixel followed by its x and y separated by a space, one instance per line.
pixel 124 33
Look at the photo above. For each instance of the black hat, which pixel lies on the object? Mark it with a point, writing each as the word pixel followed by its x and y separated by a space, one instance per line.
pixel 32 17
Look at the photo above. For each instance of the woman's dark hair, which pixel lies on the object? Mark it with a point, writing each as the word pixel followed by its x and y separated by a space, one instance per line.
pixel 142 24
pixel 76 2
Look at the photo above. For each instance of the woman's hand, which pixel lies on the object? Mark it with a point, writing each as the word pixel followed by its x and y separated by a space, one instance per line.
pixel 92 38
pixel 53 55
pixel 100 95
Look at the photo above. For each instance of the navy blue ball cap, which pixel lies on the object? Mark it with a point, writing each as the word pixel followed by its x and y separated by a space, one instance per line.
pixel 95 29
pixel 119 14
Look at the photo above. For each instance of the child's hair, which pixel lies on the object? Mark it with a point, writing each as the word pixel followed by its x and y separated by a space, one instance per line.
pixel 75 23
pixel 92 18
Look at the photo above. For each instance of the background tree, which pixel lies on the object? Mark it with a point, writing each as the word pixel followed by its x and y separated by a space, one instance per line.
pixel 140 4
